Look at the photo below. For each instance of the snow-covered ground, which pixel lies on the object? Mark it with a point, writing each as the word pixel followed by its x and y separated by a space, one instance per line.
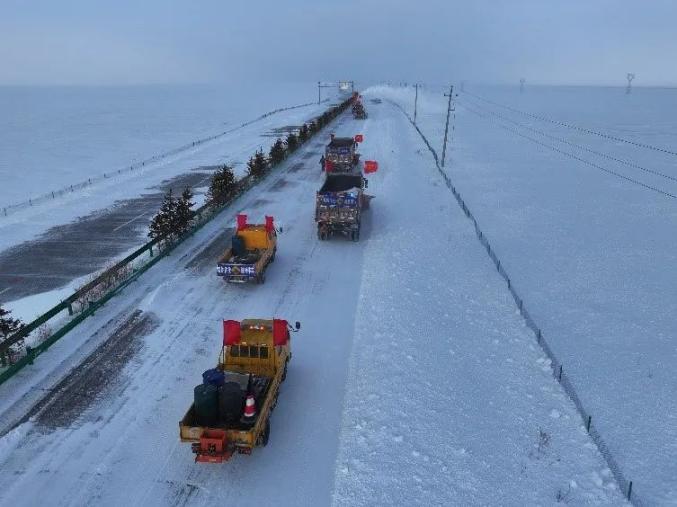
pixel 413 378
pixel 592 253
pixel 62 135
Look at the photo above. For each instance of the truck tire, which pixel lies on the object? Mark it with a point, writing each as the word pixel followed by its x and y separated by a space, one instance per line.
pixel 272 257
pixel 264 436
pixel 261 278
pixel 284 372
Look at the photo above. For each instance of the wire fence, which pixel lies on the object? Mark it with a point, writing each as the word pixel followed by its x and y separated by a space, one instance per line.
pixel 624 483
pixel 68 189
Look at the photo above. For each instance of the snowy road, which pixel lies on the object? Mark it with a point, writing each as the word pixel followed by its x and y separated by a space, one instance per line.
pixel 413 379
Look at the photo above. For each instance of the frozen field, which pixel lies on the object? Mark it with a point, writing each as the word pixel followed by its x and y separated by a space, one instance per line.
pixel 413 378
pixel 51 137
pixel 585 226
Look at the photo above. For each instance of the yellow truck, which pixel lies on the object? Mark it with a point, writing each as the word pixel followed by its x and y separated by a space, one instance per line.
pixel 232 407
pixel 252 249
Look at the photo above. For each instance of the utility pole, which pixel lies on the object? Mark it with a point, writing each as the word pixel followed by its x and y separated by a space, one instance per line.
pixel 629 77
pixel 446 128
pixel 415 103
pixel 318 92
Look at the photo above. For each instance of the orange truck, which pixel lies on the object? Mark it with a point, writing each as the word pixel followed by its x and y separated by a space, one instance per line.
pixel 253 248
pixel 232 407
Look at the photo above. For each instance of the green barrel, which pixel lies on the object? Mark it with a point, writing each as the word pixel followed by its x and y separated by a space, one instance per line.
pixel 206 404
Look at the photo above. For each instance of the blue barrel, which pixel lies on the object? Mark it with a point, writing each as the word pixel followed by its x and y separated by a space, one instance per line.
pixel 213 377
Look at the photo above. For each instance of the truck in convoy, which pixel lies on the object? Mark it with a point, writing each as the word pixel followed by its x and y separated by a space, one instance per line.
pixel 231 409
pixel 339 204
pixel 359 113
pixel 340 155
pixel 253 248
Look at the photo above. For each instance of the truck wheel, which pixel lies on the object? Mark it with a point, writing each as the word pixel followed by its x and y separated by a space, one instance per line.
pixel 272 257
pixel 264 436
pixel 261 278
pixel 284 372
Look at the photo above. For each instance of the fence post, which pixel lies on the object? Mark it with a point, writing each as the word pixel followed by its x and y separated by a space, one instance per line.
pixel 560 373
pixel 30 353
pixel 539 336
pixel 630 490
pixel 587 426
pixel 70 309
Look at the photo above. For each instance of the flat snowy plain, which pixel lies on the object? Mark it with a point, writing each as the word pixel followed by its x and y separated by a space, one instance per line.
pixel 414 380
pixel 592 254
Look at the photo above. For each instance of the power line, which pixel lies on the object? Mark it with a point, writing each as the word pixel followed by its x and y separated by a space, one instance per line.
pixel 575 127
pixel 575 157
pixel 589 150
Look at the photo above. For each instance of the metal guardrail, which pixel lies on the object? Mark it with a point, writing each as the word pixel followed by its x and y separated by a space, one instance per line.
pixel 203 215
pixel 625 485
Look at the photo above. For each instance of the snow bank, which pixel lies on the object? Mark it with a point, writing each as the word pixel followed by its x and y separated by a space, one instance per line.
pixel 448 401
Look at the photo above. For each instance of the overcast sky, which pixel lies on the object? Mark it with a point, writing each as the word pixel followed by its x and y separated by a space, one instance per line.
pixel 165 41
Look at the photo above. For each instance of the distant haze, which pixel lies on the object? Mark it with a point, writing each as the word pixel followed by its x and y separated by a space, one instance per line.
pixel 163 41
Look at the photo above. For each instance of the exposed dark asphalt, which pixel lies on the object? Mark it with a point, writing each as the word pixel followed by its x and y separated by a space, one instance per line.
pixel 66 252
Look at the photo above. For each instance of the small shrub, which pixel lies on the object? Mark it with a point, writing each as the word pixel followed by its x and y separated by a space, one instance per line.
pixel 257 166
pixel 222 187
pixel 292 142
pixel 277 152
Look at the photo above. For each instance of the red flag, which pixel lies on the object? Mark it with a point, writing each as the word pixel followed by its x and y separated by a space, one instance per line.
pixel 280 332
pixel 231 332
pixel 370 166
pixel 269 224
pixel 241 222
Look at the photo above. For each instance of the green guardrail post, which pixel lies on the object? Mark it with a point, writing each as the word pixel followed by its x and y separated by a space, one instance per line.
pixel 150 250
pixel 30 353
pixel 70 309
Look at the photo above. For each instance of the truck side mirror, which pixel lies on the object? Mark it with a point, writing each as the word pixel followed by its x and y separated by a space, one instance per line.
pixel 298 325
